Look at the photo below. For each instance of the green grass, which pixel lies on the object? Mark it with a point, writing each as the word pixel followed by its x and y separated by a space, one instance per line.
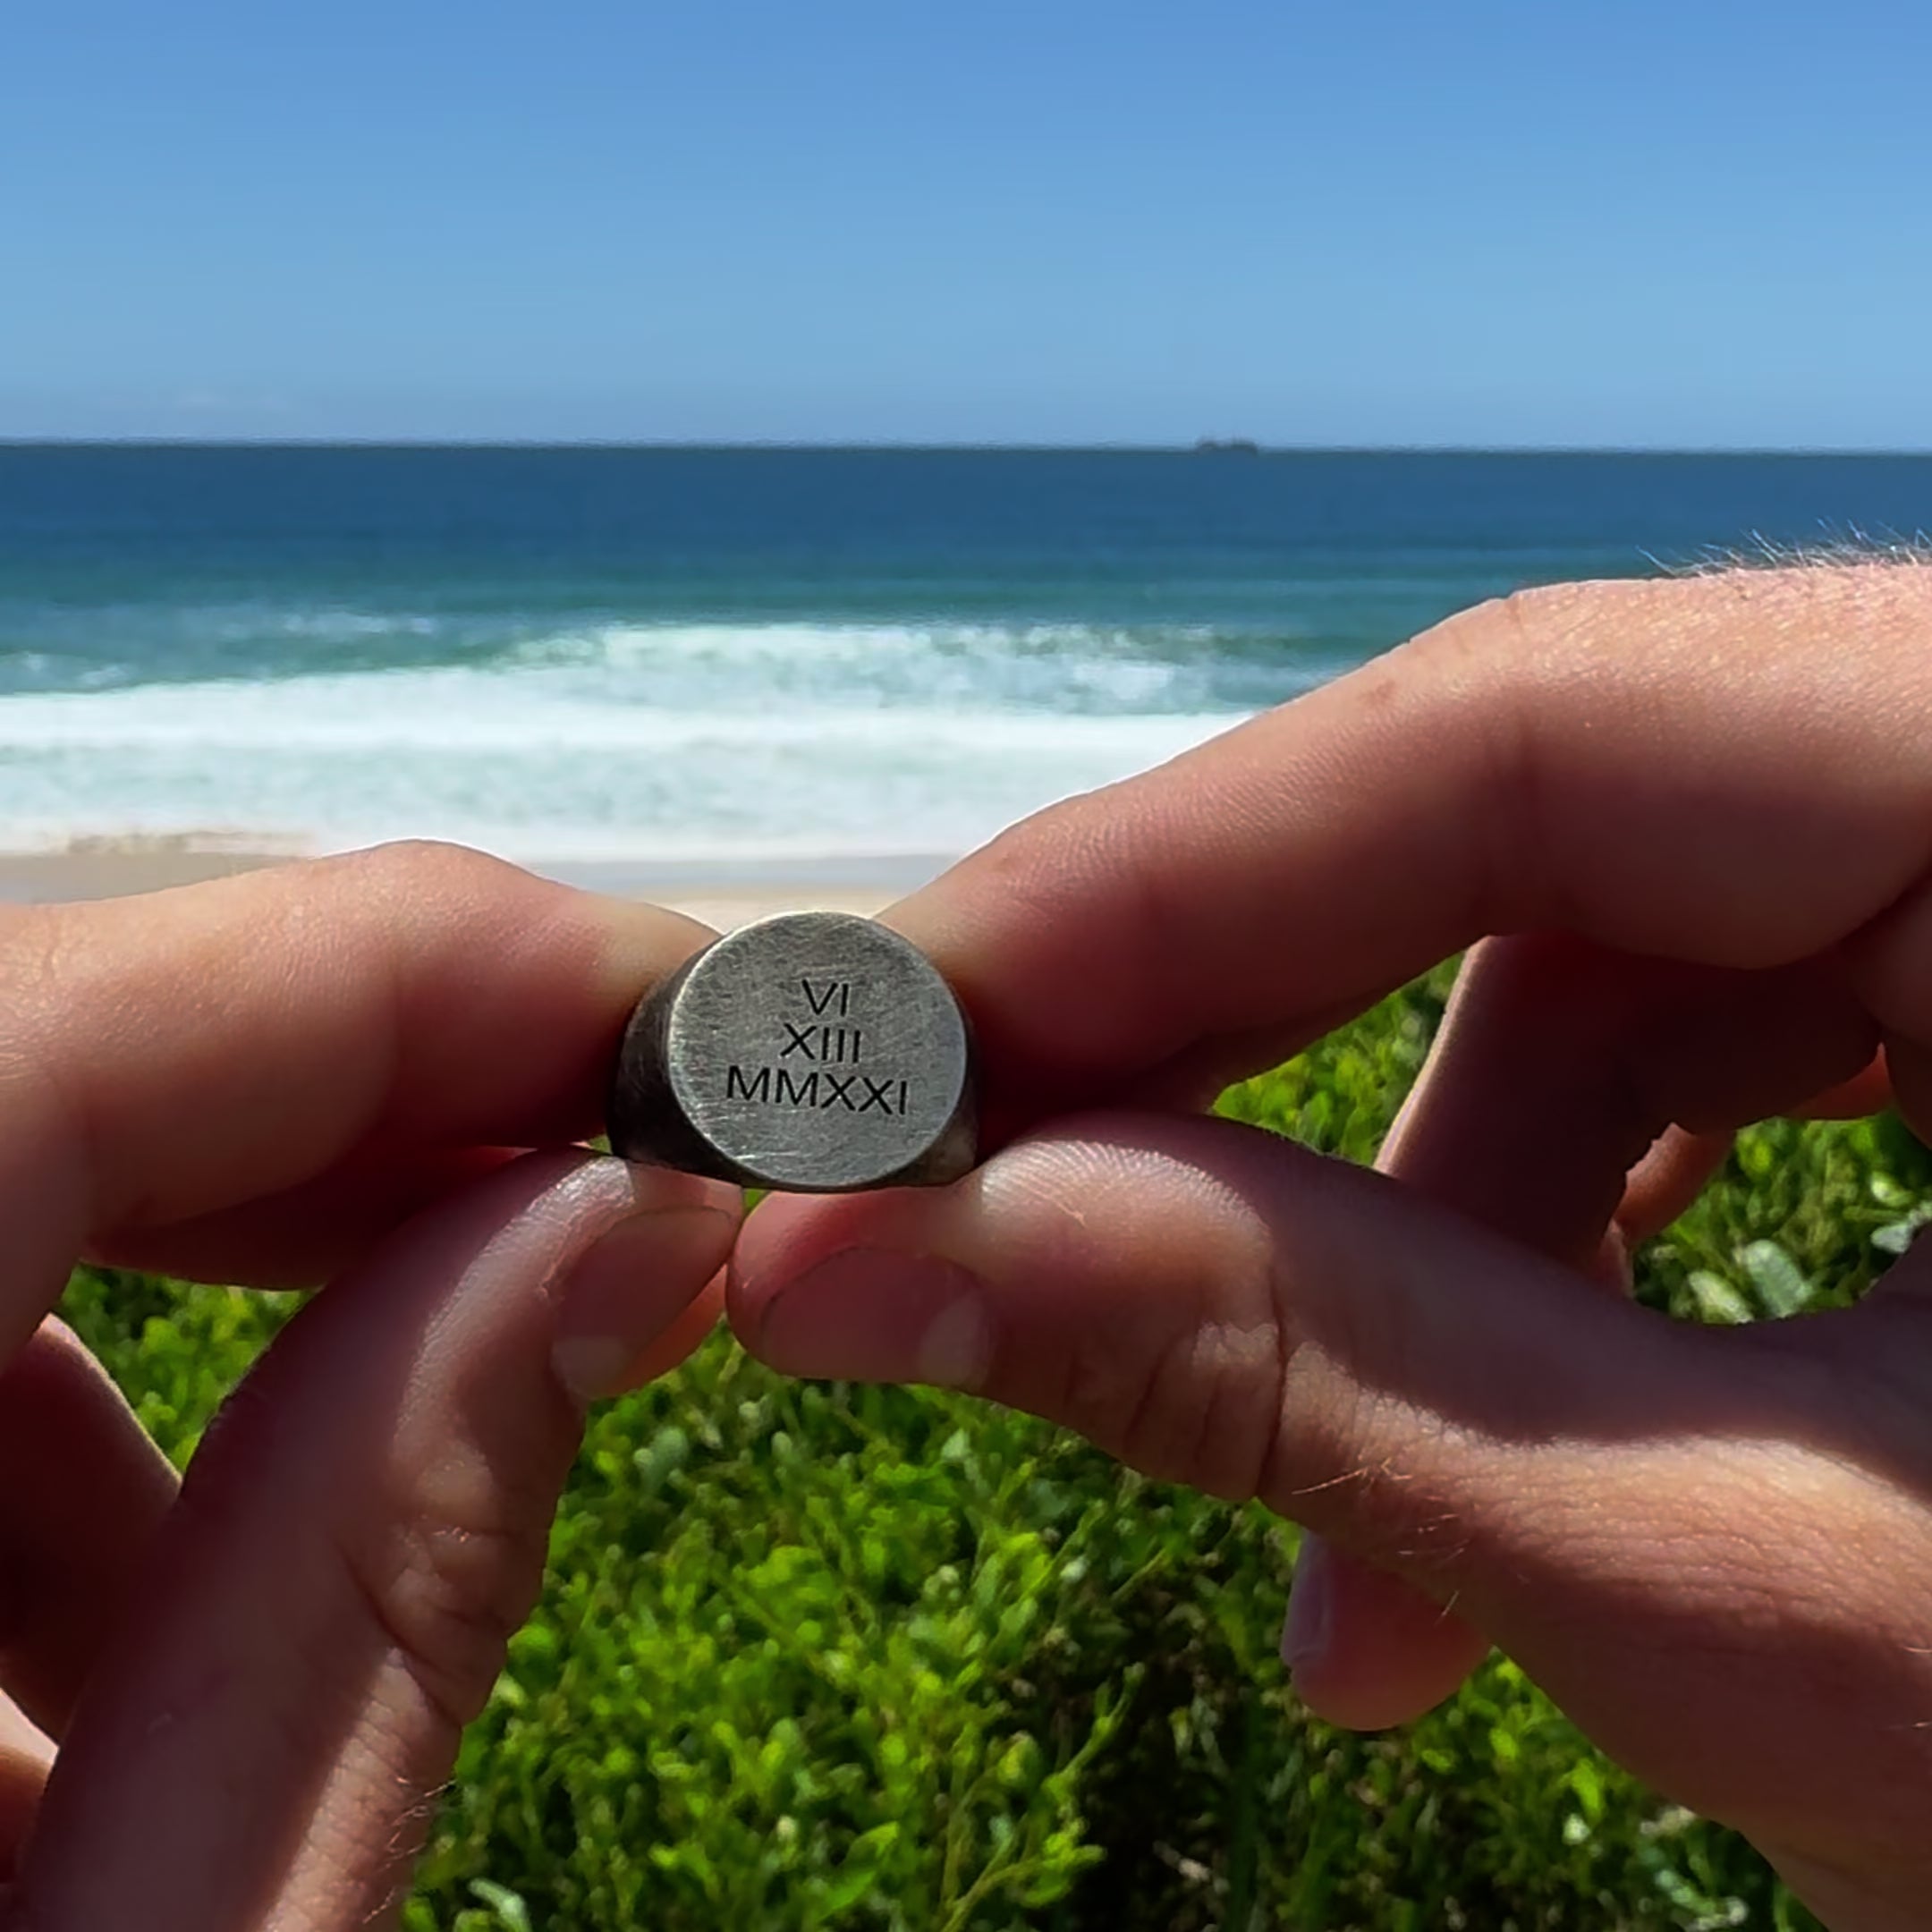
pixel 814 1656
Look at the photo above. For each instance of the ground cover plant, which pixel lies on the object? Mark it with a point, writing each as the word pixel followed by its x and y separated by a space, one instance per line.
pixel 823 1656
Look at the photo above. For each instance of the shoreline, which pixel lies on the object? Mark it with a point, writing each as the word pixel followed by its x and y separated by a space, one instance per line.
pixel 722 893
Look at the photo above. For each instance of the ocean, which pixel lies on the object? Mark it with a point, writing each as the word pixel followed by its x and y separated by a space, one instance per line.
pixel 736 656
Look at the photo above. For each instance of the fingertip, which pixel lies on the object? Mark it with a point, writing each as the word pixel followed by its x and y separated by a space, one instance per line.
pixel 788 1236
pixel 330 1603
pixel 1366 1649
pixel 1105 1275
pixel 624 1307
pixel 867 1315
pixel 628 1288
pixel 596 1368
pixel 682 1339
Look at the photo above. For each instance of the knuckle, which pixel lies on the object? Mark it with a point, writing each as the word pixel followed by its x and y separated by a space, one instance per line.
pixel 1534 617
pixel 43 951
pixel 1212 1409
pixel 445 1593
pixel 1506 675
pixel 58 979
pixel 1355 1469
pixel 415 870
pixel 1505 643
pixel 1191 1394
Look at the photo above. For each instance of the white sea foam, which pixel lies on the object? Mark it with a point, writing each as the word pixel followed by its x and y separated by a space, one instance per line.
pixel 622 740
pixel 1052 667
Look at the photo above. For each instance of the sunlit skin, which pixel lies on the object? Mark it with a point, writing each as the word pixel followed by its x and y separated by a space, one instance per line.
pixel 307 1075
pixel 1687 828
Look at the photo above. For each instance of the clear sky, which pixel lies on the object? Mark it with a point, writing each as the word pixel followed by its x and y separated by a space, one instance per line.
pixel 1620 221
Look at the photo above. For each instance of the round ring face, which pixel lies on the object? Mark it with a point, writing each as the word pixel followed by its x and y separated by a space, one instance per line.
pixel 817 1051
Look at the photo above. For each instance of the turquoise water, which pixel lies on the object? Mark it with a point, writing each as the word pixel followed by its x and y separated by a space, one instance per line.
pixel 735 653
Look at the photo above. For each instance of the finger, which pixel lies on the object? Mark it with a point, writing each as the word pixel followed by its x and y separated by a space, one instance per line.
pixel 300 1236
pixel 1547 1112
pixel 1560 1064
pixel 1583 758
pixel 26 1762
pixel 687 1333
pixel 1868 1092
pixel 1580 1477
pixel 169 1058
pixel 1666 1181
pixel 1366 1649
pixel 83 1494
pixel 361 1530
pixel 1070 1277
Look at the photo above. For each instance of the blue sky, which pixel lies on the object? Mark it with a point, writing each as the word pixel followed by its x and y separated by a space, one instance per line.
pixel 1363 222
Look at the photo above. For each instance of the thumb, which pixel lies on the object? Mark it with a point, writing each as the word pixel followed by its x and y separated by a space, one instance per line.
pixel 360 1533
pixel 1219 1308
pixel 1649 1517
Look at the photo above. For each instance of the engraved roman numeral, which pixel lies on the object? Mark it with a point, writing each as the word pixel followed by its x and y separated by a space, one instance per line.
pixel 779 1087
pixel 740 1086
pixel 831 995
pixel 833 1043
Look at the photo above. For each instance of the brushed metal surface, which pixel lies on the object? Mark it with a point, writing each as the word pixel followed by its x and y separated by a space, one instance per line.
pixel 812 1052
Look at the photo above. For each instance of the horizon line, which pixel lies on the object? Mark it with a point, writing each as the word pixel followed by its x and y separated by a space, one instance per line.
pixel 1242 447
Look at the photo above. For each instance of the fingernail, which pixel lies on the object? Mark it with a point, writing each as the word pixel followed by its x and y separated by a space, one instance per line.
pixel 865 1315
pixel 628 1287
pixel 1310 1610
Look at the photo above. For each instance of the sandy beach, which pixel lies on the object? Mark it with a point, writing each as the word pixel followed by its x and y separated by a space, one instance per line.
pixel 723 895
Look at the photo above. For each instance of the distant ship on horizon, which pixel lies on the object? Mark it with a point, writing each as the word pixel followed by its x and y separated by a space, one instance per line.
pixel 1227 446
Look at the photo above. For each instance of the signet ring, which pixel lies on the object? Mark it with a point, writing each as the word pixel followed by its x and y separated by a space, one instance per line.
pixel 815 1053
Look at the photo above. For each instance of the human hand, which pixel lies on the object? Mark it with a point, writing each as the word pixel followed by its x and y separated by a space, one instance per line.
pixel 321 1072
pixel 1691 824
